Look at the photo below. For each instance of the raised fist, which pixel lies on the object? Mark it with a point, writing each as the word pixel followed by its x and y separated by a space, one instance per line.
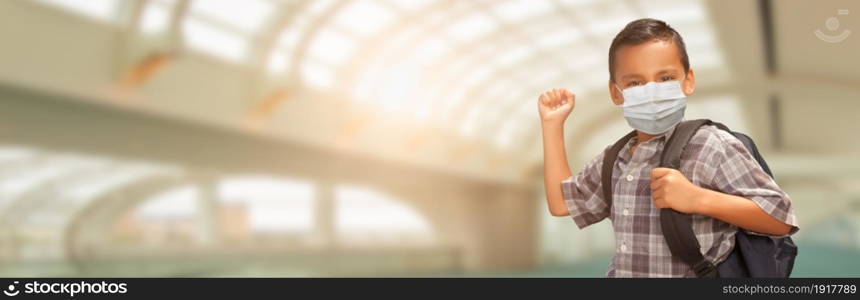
pixel 555 105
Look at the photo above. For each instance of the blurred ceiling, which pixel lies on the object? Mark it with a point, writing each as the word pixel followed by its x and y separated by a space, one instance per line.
pixel 436 83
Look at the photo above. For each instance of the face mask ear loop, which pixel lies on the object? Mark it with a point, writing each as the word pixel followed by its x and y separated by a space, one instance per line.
pixel 619 91
pixel 683 90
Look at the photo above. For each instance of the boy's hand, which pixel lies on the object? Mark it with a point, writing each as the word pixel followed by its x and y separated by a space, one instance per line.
pixel 555 105
pixel 671 189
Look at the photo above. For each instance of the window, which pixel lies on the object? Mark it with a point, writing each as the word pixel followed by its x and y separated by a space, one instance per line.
pixel 247 16
pixel 367 217
pixel 179 202
pixel 519 10
pixel 318 75
pixel 225 28
pixel 101 10
pixel 471 27
pixel 273 204
pixel 331 47
pixel 156 16
pixel 364 17
pixel 223 44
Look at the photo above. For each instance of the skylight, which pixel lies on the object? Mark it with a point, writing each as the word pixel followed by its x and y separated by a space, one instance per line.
pixel 411 5
pixel 246 15
pixel 674 12
pixel 278 61
pixel 519 10
pixel 156 16
pixel 514 55
pixel 331 47
pixel 403 81
pixel 452 60
pixel 203 37
pixel 471 26
pixel 101 10
pixel 289 38
pixel 364 17
pixel 430 50
pixel 561 37
pixel 317 75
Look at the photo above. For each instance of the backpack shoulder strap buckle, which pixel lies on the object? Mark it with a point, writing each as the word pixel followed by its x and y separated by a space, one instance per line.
pixel 705 269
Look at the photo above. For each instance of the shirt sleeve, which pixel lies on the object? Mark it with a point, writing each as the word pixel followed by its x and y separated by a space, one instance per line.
pixel 583 195
pixel 736 172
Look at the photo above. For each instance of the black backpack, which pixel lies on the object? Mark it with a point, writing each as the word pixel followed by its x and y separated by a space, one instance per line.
pixel 752 256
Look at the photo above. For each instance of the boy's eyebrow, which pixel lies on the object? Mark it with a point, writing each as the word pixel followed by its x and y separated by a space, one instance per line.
pixel 669 71
pixel 627 76
pixel 661 72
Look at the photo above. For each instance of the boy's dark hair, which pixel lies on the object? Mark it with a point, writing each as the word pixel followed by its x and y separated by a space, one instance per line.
pixel 644 30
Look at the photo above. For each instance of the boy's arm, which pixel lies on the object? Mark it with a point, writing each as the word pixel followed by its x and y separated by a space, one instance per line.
pixel 671 189
pixel 554 107
pixel 741 212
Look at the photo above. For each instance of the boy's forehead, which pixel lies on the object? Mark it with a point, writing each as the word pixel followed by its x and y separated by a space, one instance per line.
pixel 647 58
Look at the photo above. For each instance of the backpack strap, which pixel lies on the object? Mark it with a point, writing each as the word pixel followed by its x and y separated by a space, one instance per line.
pixel 677 227
pixel 608 165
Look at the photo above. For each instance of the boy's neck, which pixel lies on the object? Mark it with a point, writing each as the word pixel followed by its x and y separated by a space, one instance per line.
pixel 642 137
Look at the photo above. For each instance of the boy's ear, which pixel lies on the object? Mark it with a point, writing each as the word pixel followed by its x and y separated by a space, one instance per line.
pixel 616 95
pixel 690 82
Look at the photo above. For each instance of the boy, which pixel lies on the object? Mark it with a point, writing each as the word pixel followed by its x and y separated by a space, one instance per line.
pixel 719 182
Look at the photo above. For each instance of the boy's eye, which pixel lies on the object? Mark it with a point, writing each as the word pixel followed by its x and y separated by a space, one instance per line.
pixel 666 78
pixel 634 83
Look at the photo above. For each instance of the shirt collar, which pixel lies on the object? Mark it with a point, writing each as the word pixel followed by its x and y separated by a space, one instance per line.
pixel 665 135
pixel 662 138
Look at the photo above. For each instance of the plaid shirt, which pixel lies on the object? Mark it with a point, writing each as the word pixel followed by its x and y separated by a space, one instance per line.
pixel 714 159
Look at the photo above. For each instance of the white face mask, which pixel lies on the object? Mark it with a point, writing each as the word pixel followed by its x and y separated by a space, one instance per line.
pixel 655 107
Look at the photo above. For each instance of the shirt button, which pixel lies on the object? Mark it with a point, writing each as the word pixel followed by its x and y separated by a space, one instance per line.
pixel 629 177
pixel 624 212
pixel 623 248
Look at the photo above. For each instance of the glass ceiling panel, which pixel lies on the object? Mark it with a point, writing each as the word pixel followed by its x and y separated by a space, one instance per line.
pixel 364 17
pixel 246 15
pixel 101 10
pixel 317 75
pixel 559 38
pixel 513 11
pixel 278 62
pixel 331 47
pixel 431 50
pixel 211 40
pixel 412 5
pixel 317 7
pixel 675 12
pixel 550 44
pixel 402 80
pixel 606 19
pixel 511 56
pixel 471 26
pixel 156 16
